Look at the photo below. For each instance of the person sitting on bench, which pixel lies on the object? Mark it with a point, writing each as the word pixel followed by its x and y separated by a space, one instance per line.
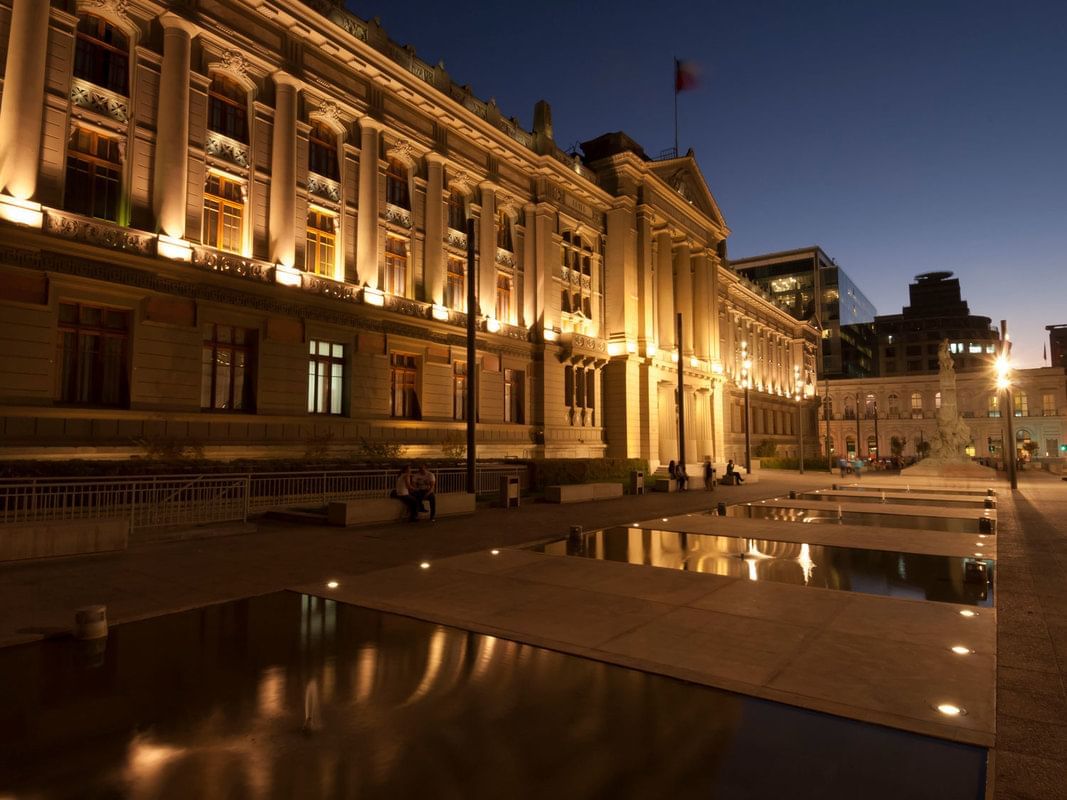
pixel 402 492
pixel 732 475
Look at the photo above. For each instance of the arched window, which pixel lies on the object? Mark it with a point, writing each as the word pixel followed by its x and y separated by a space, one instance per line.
pixel 850 407
pixel 937 400
pixel 102 55
pixel 916 405
pixel 850 446
pixel 871 407
pixel 396 184
pixel 894 405
pixel 227 108
pixel 1022 405
pixel 872 447
pixel 457 211
pixel 503 232
pixel 322 152
pixel 827 407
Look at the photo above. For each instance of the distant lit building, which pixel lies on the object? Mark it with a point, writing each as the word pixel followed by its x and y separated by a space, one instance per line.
pixel 908 342
pixel 1057 345
pixel 810 285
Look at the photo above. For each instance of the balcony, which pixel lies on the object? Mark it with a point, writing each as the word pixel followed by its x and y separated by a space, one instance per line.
pixel 102 233
pixel 99 100
pixel 226 149
pixel 323 187
pixel 397 215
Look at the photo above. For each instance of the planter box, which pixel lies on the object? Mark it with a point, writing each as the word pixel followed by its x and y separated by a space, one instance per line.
pixel 582 492
pixel 346 513
pixel 68 537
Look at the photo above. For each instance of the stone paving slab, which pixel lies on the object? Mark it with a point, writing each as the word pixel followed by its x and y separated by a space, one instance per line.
pixel 875 659
pixel 863 537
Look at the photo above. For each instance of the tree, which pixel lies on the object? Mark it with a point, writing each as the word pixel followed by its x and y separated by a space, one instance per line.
pixel 766 449
pixel 922 447
pixel 896 446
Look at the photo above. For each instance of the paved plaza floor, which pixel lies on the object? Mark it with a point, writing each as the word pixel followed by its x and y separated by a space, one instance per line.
pixel 877 659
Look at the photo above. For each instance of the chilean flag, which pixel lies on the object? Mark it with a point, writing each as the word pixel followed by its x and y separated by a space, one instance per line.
pixel 686 76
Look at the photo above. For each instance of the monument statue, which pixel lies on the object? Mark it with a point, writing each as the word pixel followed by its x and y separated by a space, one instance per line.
pixel 952 435
pixel 948 446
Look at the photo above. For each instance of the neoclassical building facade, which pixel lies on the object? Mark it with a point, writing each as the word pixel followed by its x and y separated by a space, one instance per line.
pixel 243 224
pixel 906 409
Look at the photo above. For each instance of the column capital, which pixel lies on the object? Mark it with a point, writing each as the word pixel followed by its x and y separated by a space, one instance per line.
pixel 369 123
pixel 283 78
pixel 435 158
pixel 172 22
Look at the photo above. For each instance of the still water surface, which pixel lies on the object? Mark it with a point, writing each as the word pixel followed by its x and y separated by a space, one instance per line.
pixel 908 575
pixel 293 696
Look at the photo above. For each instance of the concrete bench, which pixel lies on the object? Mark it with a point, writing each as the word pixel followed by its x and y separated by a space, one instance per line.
pixel 662 484
pixel 369 511
pixel 582 492
pixel 68 537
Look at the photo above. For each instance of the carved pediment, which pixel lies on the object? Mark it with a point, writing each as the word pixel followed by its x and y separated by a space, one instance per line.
pixel 684 177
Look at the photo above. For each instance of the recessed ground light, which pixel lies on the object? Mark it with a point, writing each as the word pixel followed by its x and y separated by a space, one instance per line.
pixel 960 650
pixel 950 710
pixel 979 544
pixel 425 565
pixel 332 585
pixel 495 552
pixel 666 519
pixel 968 613
pixel 980 555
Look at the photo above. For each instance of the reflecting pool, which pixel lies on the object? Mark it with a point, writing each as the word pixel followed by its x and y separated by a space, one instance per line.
pixel 293 696
pixel 827 513
pixel 907 575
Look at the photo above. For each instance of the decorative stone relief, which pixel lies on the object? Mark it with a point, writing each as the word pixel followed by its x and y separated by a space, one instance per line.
pixel 397 215
pixel 402 151
pixel 324 187
pixel 505 257
pixel 230 264
pixel 119 8
pixel 235 62
pixel 324 286
pixel 97 232
pixel 89 96
pixel 457 239
pixel 227 149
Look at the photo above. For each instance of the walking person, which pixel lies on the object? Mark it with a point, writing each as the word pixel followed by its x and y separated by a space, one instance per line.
pixel 682 477
pixel 709 476
pixel 424 484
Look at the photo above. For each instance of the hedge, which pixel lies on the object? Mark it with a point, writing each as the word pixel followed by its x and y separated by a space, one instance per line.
pixel 559 471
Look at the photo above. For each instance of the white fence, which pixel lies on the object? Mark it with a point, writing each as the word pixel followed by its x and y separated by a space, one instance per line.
pixel 172 500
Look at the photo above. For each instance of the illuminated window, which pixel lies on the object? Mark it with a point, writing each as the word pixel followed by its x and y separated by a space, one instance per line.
pixel 94 170
pixel 1022 405
pixel 455 285
pixel 580 259
pixel 894 404
pixel 459 390
pixel 396 184
pixel 503 232
pixel 457 211
pixel 92 355
pixel 396 266
pixel 503 297
pixel 916 405
pixel 224 213
pixel 1048 405
pixel 937 400
pixel 326 377
pixel 322 152
pixel 514 396
pixel 321 249
pixel 102 55
pixel 227 371
pixel 402 386
pixel 994 406
pixel 227 108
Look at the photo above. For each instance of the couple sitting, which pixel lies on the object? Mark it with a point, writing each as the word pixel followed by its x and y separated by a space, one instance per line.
pixel 415 489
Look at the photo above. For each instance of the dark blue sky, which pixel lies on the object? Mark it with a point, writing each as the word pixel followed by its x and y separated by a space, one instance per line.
pixel 902 137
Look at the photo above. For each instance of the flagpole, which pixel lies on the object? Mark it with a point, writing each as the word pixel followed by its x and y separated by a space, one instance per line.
pixel 675 106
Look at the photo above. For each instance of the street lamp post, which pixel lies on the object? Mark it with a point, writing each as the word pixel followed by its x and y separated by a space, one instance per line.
pixel 746 382
pixel 1003 366
pixel 472 390
pixel 802 392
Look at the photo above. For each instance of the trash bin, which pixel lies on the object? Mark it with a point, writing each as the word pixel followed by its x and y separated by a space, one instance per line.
pixel 637 481
pixel 509 490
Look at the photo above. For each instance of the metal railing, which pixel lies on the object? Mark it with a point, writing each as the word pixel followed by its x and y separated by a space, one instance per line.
pixel 176 500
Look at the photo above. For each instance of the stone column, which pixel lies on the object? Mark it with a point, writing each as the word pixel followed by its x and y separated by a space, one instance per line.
pixel 282 217
pixel 22 108
pixel 702 308
pixel 714 333
pixel 683 282
pixel 433 253
pixel 487 252
pixel 367 213
pixel 665 287
pixel 171 179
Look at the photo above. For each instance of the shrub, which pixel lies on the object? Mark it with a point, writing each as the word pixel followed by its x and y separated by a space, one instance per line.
pixel 814 463
pixel 164 448
pixel 559 471
pixel 380 451
pixel 766 449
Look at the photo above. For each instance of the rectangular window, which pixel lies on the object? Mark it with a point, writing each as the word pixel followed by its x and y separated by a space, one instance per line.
pixel 1048 405
pixel 459 390
pixel 455 286
pixel 396 266
pixel 322 152
pixel 457 212
pixel 1022 405
pixel 514 396
pixel 321 243
pixel 227 109
pixel 228 369
pixel 326 377
pixel 224 213
pixel 503 297
pixel 994 405
pixel 579 387
pixel 568 386
pixel 92 351
pixel 402 384
pixel 94 170
pixel 396 184
pixel 503 232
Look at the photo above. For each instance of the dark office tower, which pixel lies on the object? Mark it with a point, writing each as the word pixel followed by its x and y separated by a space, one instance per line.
pixel 1057 345
pixel 810 286
pixel 908 342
